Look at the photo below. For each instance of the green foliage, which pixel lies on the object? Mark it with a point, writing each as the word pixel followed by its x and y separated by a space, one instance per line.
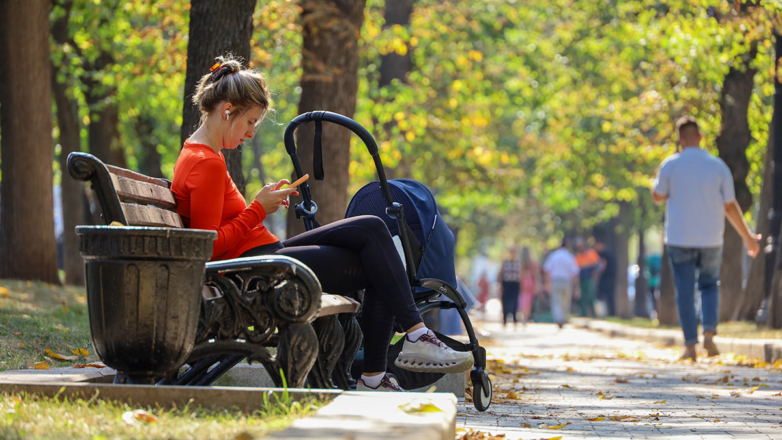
pixel 525 118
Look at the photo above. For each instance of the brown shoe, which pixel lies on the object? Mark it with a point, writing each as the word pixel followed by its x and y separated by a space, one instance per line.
pixel 689 353
pixel 711 347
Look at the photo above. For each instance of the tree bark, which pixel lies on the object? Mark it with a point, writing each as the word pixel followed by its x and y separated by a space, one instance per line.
pixel 667 313
pixel 150 157
pixel 732 145
pixel 754 292
pixel 622 229
pixel 71 194
pixel 331 29
pixel 27 243
pixel 216 28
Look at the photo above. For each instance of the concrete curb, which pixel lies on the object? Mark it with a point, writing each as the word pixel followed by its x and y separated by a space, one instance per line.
pixel 768 350
pixel 372 415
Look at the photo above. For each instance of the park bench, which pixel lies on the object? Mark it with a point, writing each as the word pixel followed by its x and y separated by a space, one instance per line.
pixel 248 304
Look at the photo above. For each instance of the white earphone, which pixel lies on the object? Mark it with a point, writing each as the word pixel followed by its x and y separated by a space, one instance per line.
pixel 227 113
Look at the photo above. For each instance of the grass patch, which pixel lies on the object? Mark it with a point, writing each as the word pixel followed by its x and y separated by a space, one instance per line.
pixel 36 316
pixel 736 329
pixel 29 416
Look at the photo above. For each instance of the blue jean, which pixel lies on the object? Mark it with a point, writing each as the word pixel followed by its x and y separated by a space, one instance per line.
pixel 685 262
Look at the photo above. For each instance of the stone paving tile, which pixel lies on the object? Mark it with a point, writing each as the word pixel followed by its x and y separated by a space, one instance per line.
pixel 569 376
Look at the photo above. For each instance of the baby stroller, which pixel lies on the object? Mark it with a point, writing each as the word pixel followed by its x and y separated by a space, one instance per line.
pixel 410 212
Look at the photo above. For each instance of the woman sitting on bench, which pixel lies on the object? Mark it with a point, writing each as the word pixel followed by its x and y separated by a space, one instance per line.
pixel 347 255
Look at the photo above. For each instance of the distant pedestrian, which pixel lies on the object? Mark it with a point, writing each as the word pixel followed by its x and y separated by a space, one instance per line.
pixel 484 289
pixel 530 283
pixel 588 262
pixel 562 280
pixel 510 283
pixel 606 277
pixel 698 188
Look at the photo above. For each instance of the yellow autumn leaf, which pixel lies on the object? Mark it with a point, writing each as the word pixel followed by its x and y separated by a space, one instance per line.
pixel 512 395
pixel 420 406
pixel 80 352
pixel 116 224
pixel 60 357
pixel 41 366
pixel 21 344
pixel 597 419
pixel 526 425
pixel 559 437
pixel 660 402
pixel 558 426
pixel 4 291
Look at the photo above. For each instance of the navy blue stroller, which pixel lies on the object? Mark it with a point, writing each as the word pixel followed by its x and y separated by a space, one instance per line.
pixel 409 210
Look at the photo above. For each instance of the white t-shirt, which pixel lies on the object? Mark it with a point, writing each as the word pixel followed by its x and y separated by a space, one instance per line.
pixel 561 265
pixel 698 186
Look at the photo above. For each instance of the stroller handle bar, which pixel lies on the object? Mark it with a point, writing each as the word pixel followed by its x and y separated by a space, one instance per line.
pixel 308 207
pixel 350 124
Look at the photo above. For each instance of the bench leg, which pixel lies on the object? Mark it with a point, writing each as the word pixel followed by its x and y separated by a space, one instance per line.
pixel 353 339
pixel 296 354
pixel 331 341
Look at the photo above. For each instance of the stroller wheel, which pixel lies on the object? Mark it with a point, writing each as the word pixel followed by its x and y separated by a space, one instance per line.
pixel 481 390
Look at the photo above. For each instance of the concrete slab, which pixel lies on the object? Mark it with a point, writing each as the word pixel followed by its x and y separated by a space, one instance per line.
pixel 242 398
pixel 59 375
pixel 374 415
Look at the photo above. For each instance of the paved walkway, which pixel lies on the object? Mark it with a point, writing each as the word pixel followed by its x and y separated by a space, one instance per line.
pixel 600 387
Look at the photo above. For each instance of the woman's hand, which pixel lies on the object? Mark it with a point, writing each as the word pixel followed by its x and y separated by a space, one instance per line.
pixel 271 196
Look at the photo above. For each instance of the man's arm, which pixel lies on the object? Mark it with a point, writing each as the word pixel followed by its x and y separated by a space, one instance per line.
pixel 659 199
pixel 736 218
pixel 576 286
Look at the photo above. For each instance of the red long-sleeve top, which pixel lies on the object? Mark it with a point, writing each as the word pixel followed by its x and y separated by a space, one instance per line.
pixel 207 198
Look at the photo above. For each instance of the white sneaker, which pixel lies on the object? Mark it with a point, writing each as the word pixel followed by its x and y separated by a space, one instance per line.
pixel 430 355
pixel 388 383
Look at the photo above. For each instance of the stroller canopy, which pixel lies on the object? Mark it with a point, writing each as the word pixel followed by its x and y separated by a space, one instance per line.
pixel 423 218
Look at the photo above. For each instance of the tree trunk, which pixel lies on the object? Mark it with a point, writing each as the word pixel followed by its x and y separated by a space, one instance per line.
pixel 755 290
pixel 104 130
pixel 71 194
pixel 216 28
pixel 331 29
pixel 27 244
pixel 622 231
pixel 150 157
pixel 667 313
pixel 732 145
pixel 394 66
pixel 640 307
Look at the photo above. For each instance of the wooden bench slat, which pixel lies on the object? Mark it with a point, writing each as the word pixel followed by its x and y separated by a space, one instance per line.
pixel 143 215
pixel 144 193
pixel 335 304
pixel 138 176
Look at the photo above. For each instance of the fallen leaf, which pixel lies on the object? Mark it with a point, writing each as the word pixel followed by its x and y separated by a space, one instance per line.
pixel 660 402
pixel 420 406
pixel 21 344
pixel 80 352
pixel 138 415
pixel 526 425
pixel 18 334
pixel 244 436
pixel 716 420
pixel 620 380
pixel 4 292
pixel 735 394
pixel 41 366
pixel 89 366
pixel 597 419
pixel 559 437
pixel 60 357
pixel 565 386
pixel 558 426
pixel 570 369
pixel 512 395
pixel 59 327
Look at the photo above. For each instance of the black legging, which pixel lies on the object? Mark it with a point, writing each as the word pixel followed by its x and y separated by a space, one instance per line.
pixel 510 300
pixel 353 254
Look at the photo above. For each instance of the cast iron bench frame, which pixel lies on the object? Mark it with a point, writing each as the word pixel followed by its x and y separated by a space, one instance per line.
pixel 248 305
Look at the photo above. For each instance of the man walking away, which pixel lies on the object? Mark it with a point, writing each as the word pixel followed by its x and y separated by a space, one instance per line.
pixel 562 280
pixel 698 188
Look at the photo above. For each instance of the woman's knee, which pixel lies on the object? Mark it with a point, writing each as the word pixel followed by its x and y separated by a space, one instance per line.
pixel 373 224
